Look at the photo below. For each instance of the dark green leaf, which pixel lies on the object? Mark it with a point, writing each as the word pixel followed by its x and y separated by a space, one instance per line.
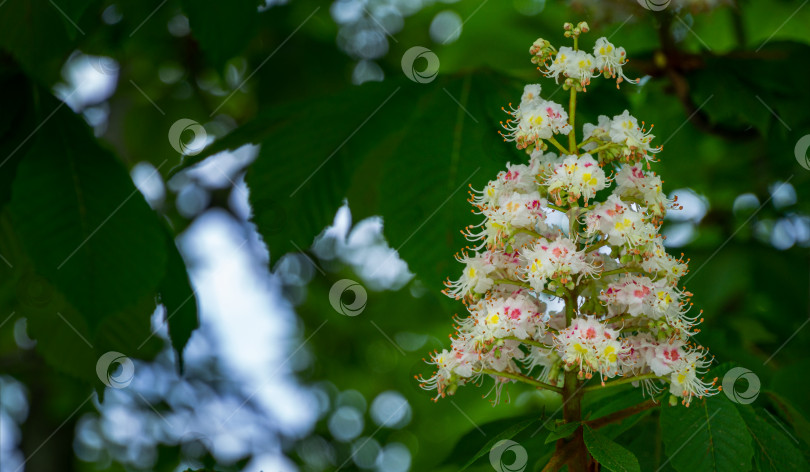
pixel 84 224
pixel 709 435
pixel 40 34
pixel 562 431
pixel 609 454
pixel 447 146
pixel 801 427
pixel 506 434
pixel 178 297
pixel 293 170
pixel 222 28
pixel 775 451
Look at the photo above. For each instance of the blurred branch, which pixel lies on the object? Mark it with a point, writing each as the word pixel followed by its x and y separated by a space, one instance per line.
pixel 674 65
pixel 622 414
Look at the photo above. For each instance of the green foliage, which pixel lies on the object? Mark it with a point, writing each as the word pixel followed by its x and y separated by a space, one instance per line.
pixel 709 435
pixel 404 151
pixel 92 255
pixel 209 18
pixel 27 28
pixel 359 155
pixel 75 209
pixel 774 450
pixel 562 432
pixel 609 454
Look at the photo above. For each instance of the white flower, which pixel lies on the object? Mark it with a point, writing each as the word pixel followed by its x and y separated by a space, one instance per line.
pixel 518 210
pixel 663 357
pixel 656 261
pixel 535 119
pixel 632 182
pixel 610 59
pixel 624 129
pixel 519 315
pixel 475 278
pixel 516 178
pixel 593 347
pixel 684 381
pixel 579 177
pixel 551 260
pixel 577 65
pixel 619 223
pixel 637 295
pixel 445 379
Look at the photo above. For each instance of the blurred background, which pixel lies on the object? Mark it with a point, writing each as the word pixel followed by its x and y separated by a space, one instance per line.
pixel 281 376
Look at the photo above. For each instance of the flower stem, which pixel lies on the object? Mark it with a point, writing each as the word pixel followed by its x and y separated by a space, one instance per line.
pixel 624 270
pixel 623 381
pixel 602 148
pixel 572 110
pixel 594 247
pixel 522 378
pixel 589 140
pixel 528 231
pixel 513 282
pixel 618 318
pixel 555 207
pixel 557 145
pixel 528 342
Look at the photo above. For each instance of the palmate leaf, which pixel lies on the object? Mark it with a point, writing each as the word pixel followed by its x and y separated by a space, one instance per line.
pixel 398 149
pixel 775 451
pixel 84 224
pixel 447 147
pixel 101 251
pixel 709 435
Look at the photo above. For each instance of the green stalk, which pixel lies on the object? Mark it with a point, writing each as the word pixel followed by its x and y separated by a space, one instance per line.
pixel 623 381
pixel 557 145
pixel 523 378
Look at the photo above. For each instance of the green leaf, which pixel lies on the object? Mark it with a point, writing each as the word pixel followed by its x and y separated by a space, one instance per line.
pixel 293 170
pixel 472 446
pixel 609 454
pixel 178 297
pixel 64 339
pixel 450 142
pixel 222 28
pixel 84 224
pixel 709 435
pixel 17 123
pixel 801 426
pixel 414 174
pixel 508 433
pixel 775 451
pixel 562 431
pixel 40 34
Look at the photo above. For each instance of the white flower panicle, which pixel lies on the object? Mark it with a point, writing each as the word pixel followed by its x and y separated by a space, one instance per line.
pixel 580 226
